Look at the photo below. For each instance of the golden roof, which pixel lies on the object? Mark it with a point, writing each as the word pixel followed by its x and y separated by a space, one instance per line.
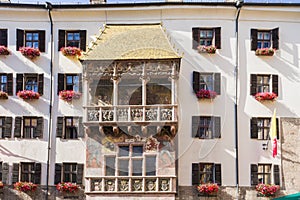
pixel 125 42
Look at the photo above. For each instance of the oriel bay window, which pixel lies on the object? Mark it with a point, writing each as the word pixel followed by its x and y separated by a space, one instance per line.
pixel 260 128
pixel 31 38
pixel 33 82
pixel 6 83
pixel 68 172
pixel 207 37
pixel 72 38
pixel 262 173
pixel 29 127
pixel 264 39
pixel 130 91
pixel 206 173
pixel 158 91
pixel 206 127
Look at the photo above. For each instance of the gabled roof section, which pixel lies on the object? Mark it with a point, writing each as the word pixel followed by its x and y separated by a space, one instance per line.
pixel 131 42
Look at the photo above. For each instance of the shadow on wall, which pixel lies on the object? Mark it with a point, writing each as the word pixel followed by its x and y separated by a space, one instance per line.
pixel 8 153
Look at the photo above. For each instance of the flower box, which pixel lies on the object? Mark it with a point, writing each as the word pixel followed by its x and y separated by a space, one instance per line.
pixel 71 51
pixel 29 52
pixel 1 185
pixel 208 189
pixel 266 190
pixel 69 95
pixel 3 95
pixel 265 52
pixel 206 94
pixel 263 96
pixel 67 187
pixel 28 95
pixel 206 49
pixel 4 51
pixel 25 186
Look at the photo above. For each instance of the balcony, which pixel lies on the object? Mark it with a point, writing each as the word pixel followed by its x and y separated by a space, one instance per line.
pixel 131 113
pixel 136 184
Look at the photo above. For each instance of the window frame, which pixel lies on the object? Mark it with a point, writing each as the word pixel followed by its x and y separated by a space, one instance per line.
pixel 72 173
pixel 21 80
pixel 32 129
pixel 72 41
pixel 274 38
pixel 216 36
pixel 273 83
pixel 263 40
pixel 3 37
pixel 21 39
pixel 71 131
pixel 262 85
pixel 216 81
pixel 32 40
pixel 19 129
pixel 30 172
pixel 62 82
pixel 62 42
pixel 8 85
pixel 62 127
pixel 265 174
pixel 198 172
pixel 60 172
pixel 214 126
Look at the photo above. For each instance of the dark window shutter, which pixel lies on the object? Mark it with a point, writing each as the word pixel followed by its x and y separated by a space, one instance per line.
pixel 254 129
pixel 275 84
pixel 253 84
pixel 37 173
pixel 59 127
pixel 196 37
pixel 195 174
pixel 41 84
pixel 217 127
pixel 195 126
pixel 5 173
pixel 20 39
pixel 3 37
pixel 42 41
pixel 57 178
pixel 275 38
pixel 8 127
pixel 15 173
pixel 60 83
pixel 18 127
pixel 218 37
pixel 10 84
pixel 81 129
pixel 79 175
pixel 196 81
pixel 276 173
pixel 19 83
pixel 83 40
pixel 277 128
pixel 217 83
pixel 61 39
pixel 218 174
pixel 253 39
pixel 39 128
pixel 80 82
pixel 254 176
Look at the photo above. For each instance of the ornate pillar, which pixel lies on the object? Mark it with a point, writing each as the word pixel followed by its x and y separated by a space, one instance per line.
pixel 174 78
pixel 145 80
pixel 116 80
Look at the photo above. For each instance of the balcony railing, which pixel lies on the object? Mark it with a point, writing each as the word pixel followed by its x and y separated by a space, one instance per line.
pixel 136 184
pixel 132 113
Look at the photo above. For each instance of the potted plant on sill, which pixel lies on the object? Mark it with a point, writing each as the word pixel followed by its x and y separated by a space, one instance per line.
pixel 265 52
pixel 71 51
pixel 206 49
pixel 3 95
pixel 29 52
pixel 67 187
pixel 25 186
pixel 266 190
pixel 4 51
pixel 206 94
pixel 69 95
pixel 208 189
pixel 263 96
pixel 28 94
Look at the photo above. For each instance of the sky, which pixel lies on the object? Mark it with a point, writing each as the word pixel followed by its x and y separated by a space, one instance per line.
pixel 135 1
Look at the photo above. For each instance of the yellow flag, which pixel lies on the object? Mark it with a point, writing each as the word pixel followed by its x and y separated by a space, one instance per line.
pixel 273 133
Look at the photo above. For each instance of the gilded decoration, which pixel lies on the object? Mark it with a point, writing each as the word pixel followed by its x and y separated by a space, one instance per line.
pixel 137 184
pixel 123 185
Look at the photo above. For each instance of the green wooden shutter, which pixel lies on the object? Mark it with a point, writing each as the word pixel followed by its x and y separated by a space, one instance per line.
pixel 196 81
pixel 57 178
pixel 217 83
pixel 80 82
pixel 8 127
pixel 217 37
pixel 20 39
pixel 39 129
pixel 37 173
pixel 79 175
pixel 253 39
pixel 18 127
pixel 59 127
pixel 276 174
pixel 275 38
pixel 60 83
pixel 61 39
pixel 3 37
pixel 195 174
pixel 253 128
pixel 253 84
pixel 83 40
pixel 41 84
pixel 10 84
pixel 217 127
pixel 196 37
pixel 42 41
pixel 195 126
pixel 254 175
pixel 15 173
pixel 218 174
pixel 19 80
pixel 80 128
pixel 275 84
pixel 5 173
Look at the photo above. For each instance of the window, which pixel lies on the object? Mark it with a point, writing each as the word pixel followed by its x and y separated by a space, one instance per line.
pixel 31 38
pixel 74 38
pixel 6 83
pixel 69 127
pixel 5 127
pixel 262 173
pixel 32 127
pixel 130 161
pixel 207 37
pixel 68 172
pixel 263 83
pixel 34 82
pixel 204 127
pixel 264 39
pixel 69 82
pixel 27 172
pixel 260 128
pixel 207 81
pixel 206 173
pixel 3 37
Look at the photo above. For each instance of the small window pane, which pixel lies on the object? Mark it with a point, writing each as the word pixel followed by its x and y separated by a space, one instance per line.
pixel 28 36
pixel 137 167
pixel 137 151
pixel 34 122
pixel 68 122
pixel 69 79
pixel 27 122
pixel 209 34
pixel 150 165
pixel 110 166
pixel 267 36
pixel 69 36
pixel 35 45
pixel 123 167
pixel 76 36
pixel 123 151
pixel 4 79
pixel 28 44
pixel 202 34
pixel 35 36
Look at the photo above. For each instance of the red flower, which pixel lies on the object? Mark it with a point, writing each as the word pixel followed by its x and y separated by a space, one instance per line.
pixel 265 52
pixel 71 51
pixel 208 49
pixel 28 94
pixel 29 52
pixel 261 96
pixel 206 94
pixel 267 189
pixel 3 95
pixel 67 187
pixel 69 95
pixel 25 186
pixel 208 188
pixel 4 51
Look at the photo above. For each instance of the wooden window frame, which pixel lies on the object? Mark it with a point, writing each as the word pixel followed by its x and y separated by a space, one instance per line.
pixel 273 83
pixel 73 40
pixel 60 172
pixel 274 38
pixel 263 40
pixel 62 42
pixel 21 80
pixel 261 85
pixel 63 85
pixel 264 173
pixel 21 39
pixel 31 129
pixel 216 81
pixel 70 172
pixel 71 131
pixel 62 127
pixel 32 40
pixel 198 172
pixel 214 126
pixel 216 38
pixel 8 85
pixel 29 172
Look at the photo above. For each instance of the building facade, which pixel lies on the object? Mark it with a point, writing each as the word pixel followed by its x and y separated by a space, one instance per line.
pixel 160 99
